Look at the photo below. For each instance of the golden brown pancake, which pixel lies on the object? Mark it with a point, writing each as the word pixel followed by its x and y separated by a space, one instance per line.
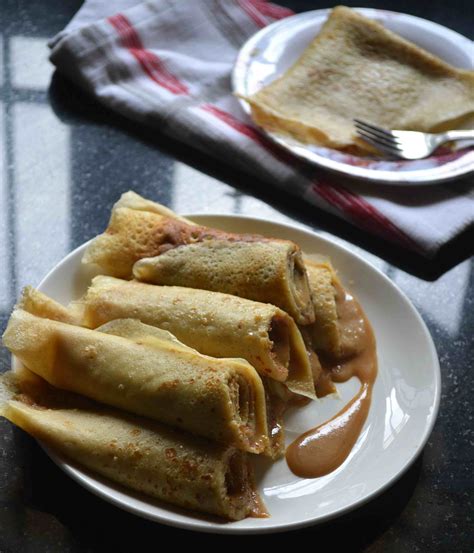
pixel 324 332
pixel 142 455
pixel 143 243
pixel 146 371
pixel 215 324
pixel 355 68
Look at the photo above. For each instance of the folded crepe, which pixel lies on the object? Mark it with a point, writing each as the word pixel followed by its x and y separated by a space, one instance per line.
pixel 324 333
pixel 355 68
pixel 146 371
pixel 142 455
pixel 277 400
pixel 141 242
pixel 323 337
pixel 215 324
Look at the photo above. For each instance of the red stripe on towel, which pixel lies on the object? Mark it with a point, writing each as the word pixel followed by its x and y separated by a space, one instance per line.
pixel 272 10
pixel 250 132
pixel 150 62
pixel 248 7
pixel 362 212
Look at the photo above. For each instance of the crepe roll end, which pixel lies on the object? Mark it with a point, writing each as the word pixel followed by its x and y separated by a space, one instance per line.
pixel 241 399
pixel 247 397
pixel 279 336
pixel 144 269
pixel 236 474
pixel 324 334
pixel 301 368
pixel 132 200
pixel 243 405
pixel 113 445
pixel 240 493
pixel 303 311
pixel 36 303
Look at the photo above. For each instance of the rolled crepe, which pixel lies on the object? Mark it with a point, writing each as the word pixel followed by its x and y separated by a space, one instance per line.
pixel 324 333
pixel 163 249
pixel 278 399
pixel 148 372
pixel 142 455
pixel 215 324
pixel 84 311
pixel 109 298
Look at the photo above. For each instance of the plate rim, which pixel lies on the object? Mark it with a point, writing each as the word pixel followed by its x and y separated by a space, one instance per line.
pixel 421 177
pixel 83 478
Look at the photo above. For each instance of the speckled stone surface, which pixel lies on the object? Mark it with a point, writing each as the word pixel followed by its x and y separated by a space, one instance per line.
pixel 63 162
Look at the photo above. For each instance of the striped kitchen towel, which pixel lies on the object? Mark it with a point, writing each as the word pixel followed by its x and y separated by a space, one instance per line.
pixel 167 63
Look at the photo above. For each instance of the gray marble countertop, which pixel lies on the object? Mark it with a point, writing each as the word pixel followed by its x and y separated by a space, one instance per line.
pixel 64 160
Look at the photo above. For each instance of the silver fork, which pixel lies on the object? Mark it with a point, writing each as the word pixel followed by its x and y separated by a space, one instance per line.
pixel 407 144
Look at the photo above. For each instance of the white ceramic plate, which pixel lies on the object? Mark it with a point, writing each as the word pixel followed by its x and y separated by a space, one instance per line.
pixel 271 51
pixel 404 405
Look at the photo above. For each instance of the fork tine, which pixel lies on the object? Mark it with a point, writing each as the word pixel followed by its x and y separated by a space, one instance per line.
pixel 371 126
pixel 380 145
pixel 378 131
pixel 387 142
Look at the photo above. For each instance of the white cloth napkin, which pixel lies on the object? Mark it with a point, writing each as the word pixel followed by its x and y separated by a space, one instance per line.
pixel 167 63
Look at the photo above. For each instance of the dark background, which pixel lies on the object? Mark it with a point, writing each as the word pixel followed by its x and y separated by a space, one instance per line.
pixel 63 161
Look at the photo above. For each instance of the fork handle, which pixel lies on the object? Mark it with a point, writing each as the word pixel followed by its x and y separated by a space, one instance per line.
pixel 457 135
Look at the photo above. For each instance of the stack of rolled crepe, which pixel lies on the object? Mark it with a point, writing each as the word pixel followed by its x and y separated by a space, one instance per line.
pixel 140 454
pixel 147 242
pixel 154 246
pixel 206 344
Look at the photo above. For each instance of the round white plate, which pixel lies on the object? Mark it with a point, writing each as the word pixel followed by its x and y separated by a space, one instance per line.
pixel 403 411
pixel 271 51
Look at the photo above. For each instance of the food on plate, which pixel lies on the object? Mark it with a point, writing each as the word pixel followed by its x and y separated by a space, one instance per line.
pixel 355 68
pixel 142 243
pixel 277 398
pixel 146 371
pixel 260 271
pixel 324 332
pixel 323 449
pixel 213 323
pixel 142 455
pixel 40 304
pixel 146 349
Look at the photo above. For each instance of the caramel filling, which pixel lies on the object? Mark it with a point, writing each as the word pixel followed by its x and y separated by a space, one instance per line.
pixel 242 402
pixel 236 477
pixel 240 486
pixel 174 233
pixel 280 337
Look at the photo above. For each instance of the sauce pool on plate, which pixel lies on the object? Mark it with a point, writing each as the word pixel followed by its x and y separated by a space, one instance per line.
pixel 321 450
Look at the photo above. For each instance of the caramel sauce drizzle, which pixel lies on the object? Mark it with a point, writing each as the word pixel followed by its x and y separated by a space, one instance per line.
pixel 323 449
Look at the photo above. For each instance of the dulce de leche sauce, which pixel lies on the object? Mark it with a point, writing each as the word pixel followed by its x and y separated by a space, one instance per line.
pixel 321 450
